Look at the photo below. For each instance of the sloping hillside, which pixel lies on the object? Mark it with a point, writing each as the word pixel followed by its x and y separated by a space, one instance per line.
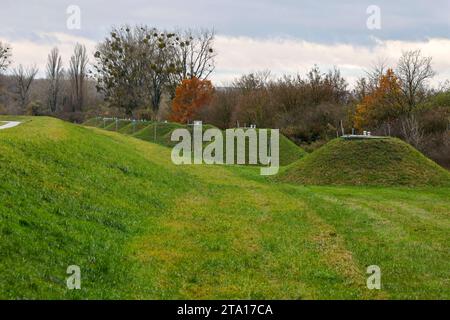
pixel 140 227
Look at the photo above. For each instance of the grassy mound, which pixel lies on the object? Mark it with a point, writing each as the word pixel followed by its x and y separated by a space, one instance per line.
pixel 160 133
pixel 107 124
pixel 117 125
pixel 289 151
pixel 134 127
pixel 377 162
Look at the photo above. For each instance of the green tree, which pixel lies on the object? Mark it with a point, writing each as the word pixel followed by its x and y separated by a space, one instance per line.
pixel 134 65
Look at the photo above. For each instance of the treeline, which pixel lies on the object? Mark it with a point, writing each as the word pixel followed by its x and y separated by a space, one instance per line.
pixel 64 92
pixel 135 71
pixel 312 109
pixel 306 108
pixel 143 72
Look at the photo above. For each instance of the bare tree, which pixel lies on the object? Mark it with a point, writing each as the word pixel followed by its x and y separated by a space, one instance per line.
pixel 252 81
pixel 23 78
pixel 54 76
pixel 194 56
pixel 413 71
pixel 5 55
pixel 77 75
pixel 377 70
pixel 411 131
pixel 197 54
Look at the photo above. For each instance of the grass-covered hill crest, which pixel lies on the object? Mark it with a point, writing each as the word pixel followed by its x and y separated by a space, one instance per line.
pixel 373 162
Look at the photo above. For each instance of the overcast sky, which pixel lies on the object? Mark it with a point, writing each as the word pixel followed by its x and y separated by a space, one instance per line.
pixel 287 36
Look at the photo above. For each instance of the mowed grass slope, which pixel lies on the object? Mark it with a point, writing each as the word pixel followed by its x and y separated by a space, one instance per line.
pixel 376 162
pixel 140 227
pixel 161 133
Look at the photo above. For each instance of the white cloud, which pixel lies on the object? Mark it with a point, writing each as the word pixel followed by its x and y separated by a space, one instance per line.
pixel 239 55
pixel 29 52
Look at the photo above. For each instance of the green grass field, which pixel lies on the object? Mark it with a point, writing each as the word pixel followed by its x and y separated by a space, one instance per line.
pixel 140 227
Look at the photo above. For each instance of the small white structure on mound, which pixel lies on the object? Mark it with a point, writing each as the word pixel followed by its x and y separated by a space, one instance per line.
pixel 9 124
pixel 366 135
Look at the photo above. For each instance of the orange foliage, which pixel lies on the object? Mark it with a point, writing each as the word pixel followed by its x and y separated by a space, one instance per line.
pixel 190 97
pixel 383 104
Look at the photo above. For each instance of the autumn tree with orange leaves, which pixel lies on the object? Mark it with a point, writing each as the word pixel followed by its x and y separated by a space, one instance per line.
pixel 191 96
pixel 382 105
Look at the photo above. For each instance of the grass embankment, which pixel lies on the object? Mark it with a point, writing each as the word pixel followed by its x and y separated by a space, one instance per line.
pixel 134 127
pixel 382 162
pixel 160 133
pixel 141 227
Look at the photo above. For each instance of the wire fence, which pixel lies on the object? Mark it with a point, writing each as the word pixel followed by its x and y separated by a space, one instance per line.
pixel 116 124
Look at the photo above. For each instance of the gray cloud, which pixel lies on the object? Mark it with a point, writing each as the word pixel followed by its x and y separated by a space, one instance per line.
pixel 285 36
pixel 318 21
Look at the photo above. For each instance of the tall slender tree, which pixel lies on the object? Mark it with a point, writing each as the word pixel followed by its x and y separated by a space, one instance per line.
pixel 54 77
pixel 77 75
